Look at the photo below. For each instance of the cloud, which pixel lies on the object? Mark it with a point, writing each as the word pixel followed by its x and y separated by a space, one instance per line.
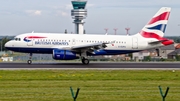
pixel 34 12
pixel 69 6
pixel 64 14
pixel 137 4
pixel 64 7
pixel 90 5
pixel 37 12
pixel 5 13
pixel 61 13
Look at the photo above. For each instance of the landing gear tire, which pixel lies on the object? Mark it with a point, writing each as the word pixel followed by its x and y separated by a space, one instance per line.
pixel 85 61
pixel 29 62
pixel 30 57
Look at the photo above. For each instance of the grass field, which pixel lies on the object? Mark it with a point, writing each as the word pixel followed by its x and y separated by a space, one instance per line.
pixel 95 85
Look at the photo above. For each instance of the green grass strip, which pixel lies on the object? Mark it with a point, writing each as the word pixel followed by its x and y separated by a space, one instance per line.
pixel 95 85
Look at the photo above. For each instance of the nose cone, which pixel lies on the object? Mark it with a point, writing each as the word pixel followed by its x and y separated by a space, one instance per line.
pixel 7 45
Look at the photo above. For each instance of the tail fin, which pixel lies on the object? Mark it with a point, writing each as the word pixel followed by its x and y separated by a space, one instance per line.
pixel 157 25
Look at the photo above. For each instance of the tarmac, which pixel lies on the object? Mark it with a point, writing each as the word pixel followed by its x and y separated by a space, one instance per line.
pixel 93 65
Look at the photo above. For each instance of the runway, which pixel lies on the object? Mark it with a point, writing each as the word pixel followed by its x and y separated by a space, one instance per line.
pixel 96 65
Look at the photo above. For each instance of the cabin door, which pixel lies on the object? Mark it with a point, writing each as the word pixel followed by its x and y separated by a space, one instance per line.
pixel 134 43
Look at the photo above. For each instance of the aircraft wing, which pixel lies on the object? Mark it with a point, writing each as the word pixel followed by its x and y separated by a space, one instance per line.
pixel 89 47
pixel 86 48
pixel 94 46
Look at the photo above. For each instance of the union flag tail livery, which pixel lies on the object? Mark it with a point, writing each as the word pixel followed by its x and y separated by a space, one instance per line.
pixel 156 27
pixel 74 46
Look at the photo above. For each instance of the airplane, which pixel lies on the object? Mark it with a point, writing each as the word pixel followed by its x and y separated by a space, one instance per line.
pixel 76 46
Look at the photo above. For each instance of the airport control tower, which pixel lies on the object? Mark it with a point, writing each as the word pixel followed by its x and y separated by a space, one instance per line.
pixel 79 13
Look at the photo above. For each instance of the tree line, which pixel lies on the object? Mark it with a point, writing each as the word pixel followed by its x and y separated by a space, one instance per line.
pixel 175 38
pixel 3 41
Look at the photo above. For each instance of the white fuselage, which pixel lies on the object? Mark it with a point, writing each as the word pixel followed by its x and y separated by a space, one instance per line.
pixel 118 44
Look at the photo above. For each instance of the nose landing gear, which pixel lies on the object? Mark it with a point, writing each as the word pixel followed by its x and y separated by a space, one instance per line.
pixel 30 59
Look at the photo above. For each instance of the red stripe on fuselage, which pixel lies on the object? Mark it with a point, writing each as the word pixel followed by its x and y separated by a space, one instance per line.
pixel 34 37
pixel 163 16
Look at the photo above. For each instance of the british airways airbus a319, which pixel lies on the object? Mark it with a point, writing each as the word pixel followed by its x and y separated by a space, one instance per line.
pixel 75 46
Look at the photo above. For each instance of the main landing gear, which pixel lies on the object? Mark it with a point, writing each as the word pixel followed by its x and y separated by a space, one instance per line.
pixel 85 61
pixel 30 59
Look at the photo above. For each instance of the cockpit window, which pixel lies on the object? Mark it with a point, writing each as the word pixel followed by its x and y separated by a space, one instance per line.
pixel 17 39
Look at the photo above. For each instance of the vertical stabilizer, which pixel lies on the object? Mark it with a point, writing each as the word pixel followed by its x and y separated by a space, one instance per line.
pixel 157 25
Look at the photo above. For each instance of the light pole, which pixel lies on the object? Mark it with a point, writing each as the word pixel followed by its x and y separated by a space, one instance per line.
pixel 127 30
pixel 115 29
pixel 106 29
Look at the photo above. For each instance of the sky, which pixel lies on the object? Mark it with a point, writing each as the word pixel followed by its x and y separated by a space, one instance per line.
pixel 54 16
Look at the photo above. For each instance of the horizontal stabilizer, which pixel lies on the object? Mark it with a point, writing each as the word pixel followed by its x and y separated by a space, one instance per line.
pixel 165 42
pixel 157 42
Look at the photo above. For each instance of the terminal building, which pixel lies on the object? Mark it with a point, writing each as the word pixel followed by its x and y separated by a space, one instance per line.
pixel 79 13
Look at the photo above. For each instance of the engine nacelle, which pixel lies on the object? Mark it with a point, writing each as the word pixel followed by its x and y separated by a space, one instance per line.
pixel 64 55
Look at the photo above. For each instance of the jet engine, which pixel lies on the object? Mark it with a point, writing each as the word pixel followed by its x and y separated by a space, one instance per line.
pixel 64 55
